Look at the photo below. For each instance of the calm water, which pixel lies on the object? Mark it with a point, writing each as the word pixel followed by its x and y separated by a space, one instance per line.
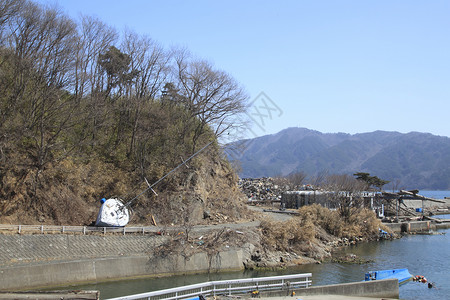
pixel 435 194
pixel 426 255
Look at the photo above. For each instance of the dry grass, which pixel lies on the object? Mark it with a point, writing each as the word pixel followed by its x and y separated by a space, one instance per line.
pixel 313 224
pixel 68 193
pixel 287 236
pixel 362 222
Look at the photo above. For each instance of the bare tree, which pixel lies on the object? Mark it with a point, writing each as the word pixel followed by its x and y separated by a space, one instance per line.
pixel 297 178
pixel 346 193
pixel 320 178
pixel 212 96
pixel 395 185
pixel 8 9
pixel 46 38
pixel 150 62
pixel 95 38
pixel 42 43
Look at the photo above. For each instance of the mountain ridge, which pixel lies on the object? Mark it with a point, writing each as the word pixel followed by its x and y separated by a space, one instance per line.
pixel 412 160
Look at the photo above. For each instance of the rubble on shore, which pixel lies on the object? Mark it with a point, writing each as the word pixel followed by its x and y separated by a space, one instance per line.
pixel 267 189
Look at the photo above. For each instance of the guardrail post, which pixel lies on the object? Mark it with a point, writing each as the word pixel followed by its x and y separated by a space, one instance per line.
pixel 63 228
pixel 84 230
pixel 104 230
pixel 143 231
pixel 123 230
pixel 42 229
pixel 20 228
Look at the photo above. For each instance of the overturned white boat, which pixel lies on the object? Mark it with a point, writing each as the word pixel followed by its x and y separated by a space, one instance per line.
pixel 113 213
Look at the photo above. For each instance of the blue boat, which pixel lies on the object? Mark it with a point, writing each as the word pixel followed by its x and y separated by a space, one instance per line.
pixel 401 274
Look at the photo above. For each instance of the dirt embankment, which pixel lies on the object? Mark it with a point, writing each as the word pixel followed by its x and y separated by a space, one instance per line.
pixel 203 191
pixel 278 240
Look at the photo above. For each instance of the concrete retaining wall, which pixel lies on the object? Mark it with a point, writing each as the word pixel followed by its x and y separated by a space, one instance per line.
pixel 413 226
pixel 81 271
pixel 37 248
pixel 31 261
pixel 443 225
pixel 387 288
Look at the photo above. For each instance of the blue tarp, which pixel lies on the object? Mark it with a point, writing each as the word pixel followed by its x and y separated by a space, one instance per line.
pixel 400 274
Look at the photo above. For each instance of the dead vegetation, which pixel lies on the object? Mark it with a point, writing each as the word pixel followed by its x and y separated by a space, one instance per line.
pixel 316 230
pixel 69 193
pixel 189 241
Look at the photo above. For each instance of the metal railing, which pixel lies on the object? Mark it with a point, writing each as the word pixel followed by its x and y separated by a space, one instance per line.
pixel 24 229
pixel 35 229
pixel 227 287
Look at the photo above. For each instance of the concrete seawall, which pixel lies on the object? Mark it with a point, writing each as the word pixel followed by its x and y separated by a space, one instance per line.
pixel 416 226
pixel 33 261
pixel 387 288
pixel 58 273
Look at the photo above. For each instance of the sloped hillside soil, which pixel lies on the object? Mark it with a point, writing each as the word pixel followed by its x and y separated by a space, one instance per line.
pixel 69 193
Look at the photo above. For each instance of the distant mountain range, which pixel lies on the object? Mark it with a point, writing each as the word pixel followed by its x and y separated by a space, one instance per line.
pixel 414 160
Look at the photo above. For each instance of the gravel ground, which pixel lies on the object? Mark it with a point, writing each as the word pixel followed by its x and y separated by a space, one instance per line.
pixel 276 216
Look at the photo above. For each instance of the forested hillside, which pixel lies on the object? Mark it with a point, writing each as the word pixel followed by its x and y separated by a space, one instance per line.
pixel 86 113
pixel 412 160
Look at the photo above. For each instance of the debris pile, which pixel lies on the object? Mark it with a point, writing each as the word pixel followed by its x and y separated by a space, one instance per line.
pixel 266 189
pixel 262 189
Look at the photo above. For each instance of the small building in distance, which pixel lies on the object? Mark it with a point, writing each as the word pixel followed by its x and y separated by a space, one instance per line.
pixel 297 199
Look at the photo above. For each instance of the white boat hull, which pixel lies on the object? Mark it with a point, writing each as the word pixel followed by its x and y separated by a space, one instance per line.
pixel 112 214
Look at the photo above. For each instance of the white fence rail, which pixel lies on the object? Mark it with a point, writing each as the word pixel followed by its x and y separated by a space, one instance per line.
pixel 35 229
pixel 23 229
pixel 227 287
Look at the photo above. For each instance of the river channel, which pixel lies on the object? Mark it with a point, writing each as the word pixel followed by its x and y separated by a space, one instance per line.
pixel 426 255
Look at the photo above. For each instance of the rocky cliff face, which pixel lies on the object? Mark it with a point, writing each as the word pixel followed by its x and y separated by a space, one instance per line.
pixel 203 191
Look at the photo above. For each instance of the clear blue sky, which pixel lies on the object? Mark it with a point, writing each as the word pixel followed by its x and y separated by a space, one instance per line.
pixel 332 66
